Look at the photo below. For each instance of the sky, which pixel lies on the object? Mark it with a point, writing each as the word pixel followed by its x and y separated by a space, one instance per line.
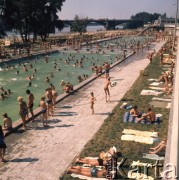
pixel 115 9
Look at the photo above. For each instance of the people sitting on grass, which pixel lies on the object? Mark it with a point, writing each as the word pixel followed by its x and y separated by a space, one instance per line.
pixel 159 147
pixel 149 116
pixel 134 112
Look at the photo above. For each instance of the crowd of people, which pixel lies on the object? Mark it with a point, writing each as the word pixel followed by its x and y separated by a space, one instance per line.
pixel 48 101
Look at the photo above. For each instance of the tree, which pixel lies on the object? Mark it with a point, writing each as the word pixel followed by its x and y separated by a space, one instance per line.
pixel 2 32
pixel 145 17
pixel 38 17
pixel 79 25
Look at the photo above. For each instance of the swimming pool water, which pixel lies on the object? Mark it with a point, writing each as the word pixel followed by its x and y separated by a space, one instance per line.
pixel 68 72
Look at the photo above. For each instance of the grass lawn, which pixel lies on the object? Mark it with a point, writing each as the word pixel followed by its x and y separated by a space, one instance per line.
pixel 111 131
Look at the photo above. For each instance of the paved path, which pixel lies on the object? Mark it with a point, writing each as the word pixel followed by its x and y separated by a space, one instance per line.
pixel 44 154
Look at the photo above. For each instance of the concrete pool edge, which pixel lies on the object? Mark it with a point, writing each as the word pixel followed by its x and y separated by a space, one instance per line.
pixel 28 58
pixel 37 112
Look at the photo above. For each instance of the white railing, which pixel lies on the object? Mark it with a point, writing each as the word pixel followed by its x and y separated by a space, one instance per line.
pixel 171 165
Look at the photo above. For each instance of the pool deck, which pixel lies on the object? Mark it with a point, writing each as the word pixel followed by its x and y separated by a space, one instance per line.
pixel 45 153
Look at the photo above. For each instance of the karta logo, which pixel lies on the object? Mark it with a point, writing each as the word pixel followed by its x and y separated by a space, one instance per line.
pixel 117 170
pixel 169 173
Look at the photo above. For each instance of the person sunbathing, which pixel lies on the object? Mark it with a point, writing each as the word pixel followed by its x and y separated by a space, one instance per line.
pixel 101 161
pixel 159 147
pixel 149 116
pixel 87 171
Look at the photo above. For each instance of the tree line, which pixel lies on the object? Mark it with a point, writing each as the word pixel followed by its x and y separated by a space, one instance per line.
pixel 40 18
pixel 31 17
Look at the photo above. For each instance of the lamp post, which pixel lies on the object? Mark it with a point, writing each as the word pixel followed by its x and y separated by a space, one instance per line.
pixel 176 22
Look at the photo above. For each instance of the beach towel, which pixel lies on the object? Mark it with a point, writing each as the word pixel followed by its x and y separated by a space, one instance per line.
pixel 152 79
pixel 155 84
pixel 126 117
pixel 161 99
pixel 139 139
pixel 156 88
pixel 140 133
pixel 153 157
pixel 150 92
pixel 160 104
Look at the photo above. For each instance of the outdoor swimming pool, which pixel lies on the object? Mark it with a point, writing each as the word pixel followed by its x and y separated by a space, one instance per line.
pixel 18 83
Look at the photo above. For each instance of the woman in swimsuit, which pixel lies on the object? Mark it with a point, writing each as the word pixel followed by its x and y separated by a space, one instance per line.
pixel 23 110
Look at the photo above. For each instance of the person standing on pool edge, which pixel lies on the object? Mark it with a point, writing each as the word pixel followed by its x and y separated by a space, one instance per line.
pixel 2 145
pixel 30 103
pixel 49 101
pixel 92 102
pixel 23 110
pixel 106 89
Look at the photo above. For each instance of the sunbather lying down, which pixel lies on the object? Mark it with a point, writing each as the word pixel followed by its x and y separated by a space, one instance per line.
pixel 159 147
pixel 90 172
pixel 103 157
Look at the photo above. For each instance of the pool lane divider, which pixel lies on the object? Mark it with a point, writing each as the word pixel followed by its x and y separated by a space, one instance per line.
pixel 37 112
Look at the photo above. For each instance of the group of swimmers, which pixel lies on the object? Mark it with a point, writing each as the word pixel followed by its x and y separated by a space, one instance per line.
pixel 4 93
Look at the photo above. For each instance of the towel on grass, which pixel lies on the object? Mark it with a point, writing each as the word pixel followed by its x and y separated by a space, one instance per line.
pixel 150 92
pixel 155 84
pixel 140 133
pixel 156 88
pixel 85 177
pixel 153 157
pixel 140 139
pixel 160 104
pixel 152 79
pixel 161 99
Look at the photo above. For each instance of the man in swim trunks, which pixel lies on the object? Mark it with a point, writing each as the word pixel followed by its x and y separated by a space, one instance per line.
pixel 43 105
pixel 149 116
pixel 30 103
pixel 107 68
pixel 106 89
pixel 49 102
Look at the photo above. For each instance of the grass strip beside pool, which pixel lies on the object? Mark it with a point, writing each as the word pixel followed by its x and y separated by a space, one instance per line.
pixel 111 131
